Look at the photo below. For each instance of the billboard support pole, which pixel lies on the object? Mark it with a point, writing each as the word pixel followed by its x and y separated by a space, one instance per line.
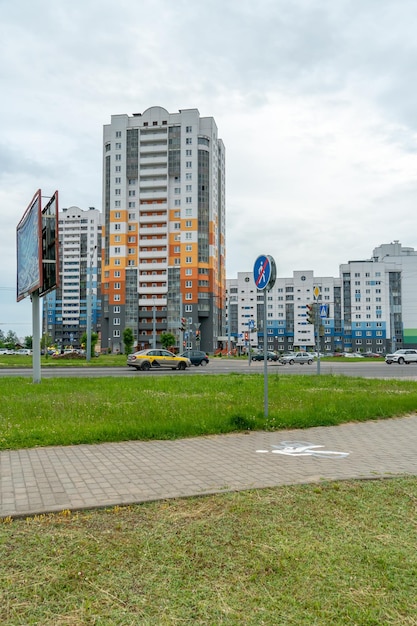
pixel 36 342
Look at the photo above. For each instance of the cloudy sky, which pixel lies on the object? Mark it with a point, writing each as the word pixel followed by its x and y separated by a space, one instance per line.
pixel 315 101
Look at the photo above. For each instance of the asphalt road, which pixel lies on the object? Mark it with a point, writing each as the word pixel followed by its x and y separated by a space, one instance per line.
pixel 223 366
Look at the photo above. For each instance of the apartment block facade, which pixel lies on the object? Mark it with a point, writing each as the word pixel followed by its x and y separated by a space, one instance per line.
pixel 370 307
pixel 65 309
pixel 164 229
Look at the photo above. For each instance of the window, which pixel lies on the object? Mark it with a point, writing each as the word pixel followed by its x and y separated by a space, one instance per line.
pixel 116 321
pixel 118 157
pixel 116 333
pixel 188 296
pixel 117 273
pixel 188 223
pixel 188 140
pixel 117 180
pixel 117 285
pixel 117 192
pixel 188 152
pixel 118 146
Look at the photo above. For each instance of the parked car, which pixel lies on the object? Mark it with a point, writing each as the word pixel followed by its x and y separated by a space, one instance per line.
pixel 270 356
pixel 297 357
pixel 5 351
pixel 197 357
pixel 353 355
pixel 402 356
pixel 24 351
pixel 154 358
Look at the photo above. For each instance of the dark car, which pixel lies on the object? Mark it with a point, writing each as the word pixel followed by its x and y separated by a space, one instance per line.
pixel 270 356
pixel 197 357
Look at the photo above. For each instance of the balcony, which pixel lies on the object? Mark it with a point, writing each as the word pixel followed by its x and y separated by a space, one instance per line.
pixel 153 230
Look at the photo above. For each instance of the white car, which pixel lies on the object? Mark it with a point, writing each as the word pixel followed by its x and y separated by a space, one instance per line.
pixel 297 357
pixel 402 356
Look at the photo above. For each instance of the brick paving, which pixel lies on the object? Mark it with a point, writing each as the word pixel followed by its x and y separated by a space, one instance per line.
pixel 44 480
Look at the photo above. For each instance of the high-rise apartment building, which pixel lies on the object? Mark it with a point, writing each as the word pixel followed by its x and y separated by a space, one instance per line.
pixel 164 228
pixel 65 309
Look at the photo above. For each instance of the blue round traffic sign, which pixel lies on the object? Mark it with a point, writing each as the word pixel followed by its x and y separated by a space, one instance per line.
pixel 264 272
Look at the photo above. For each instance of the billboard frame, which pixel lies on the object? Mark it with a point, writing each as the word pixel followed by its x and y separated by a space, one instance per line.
pixel 28 248
pixel 50 244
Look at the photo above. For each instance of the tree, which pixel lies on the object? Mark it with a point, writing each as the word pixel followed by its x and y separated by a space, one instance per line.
pixel 128 340
pixel 94 339
pixel 11 340
pixel 168 340
pixel 29 342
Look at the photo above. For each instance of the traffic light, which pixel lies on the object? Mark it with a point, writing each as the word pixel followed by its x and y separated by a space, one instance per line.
pixel 246 336
pixel 197 335
pixel 183 324
pixel 311 314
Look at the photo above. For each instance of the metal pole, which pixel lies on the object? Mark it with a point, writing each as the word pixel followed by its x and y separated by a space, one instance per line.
pixel 265 360
pixel 318 339
pixel 88 347
pixel 36 342
pixel 154 326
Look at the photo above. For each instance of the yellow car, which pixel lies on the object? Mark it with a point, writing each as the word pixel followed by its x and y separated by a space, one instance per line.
pixel 155 358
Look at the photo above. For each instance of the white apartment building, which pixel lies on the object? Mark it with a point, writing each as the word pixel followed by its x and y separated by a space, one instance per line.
pixel 287 325
pixel 371 306
pixel 65 309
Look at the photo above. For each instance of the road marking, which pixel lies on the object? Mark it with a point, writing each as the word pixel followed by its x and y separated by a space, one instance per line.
pixel 303 448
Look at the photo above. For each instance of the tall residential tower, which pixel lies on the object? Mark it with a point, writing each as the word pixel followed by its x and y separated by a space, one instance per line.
pixel 164 229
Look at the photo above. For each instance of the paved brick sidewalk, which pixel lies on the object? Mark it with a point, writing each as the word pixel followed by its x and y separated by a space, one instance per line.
pixel 51 479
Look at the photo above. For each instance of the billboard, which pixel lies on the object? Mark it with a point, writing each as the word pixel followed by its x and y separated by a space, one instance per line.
pixel 28 246
pixel 50 246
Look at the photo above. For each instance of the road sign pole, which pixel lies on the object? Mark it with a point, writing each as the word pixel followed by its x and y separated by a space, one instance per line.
pixel 264 275
pixel 265 359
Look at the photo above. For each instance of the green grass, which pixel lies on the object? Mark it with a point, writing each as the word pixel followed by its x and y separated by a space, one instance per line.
pixel 92 410
pixel 325 555
pixel 16 361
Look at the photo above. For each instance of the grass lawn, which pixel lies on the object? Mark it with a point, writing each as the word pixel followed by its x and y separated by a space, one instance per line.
pixel 329 554
pixel 92 410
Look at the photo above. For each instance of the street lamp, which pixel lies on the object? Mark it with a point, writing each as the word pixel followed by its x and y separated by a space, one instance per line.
pixel 89 299
pixel 153 325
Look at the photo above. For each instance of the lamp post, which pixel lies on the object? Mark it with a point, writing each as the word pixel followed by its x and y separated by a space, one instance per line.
pixel 153 325
pixel 89 299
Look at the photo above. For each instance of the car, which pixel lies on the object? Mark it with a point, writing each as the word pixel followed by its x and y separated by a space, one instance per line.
pixel 353 355
pixel 270 356
pixel 5 351
pixel 155 358
pixel 402 356
pixel 24 351
pixel 197 357
pixel 297 357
